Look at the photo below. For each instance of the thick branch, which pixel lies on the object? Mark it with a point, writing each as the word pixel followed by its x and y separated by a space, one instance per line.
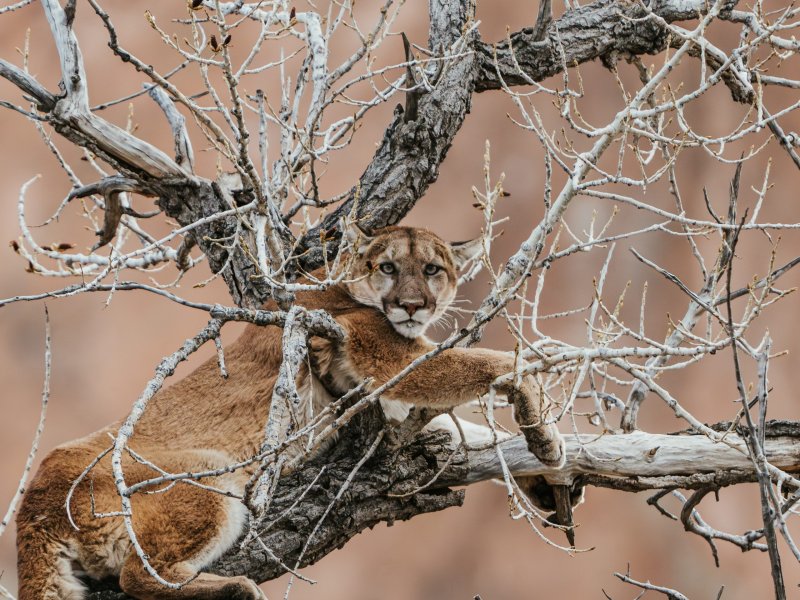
pixel 189 201
pixel 364 504
pixel 631 462
pixel 640 460
pixel 408 158
pixel 593 31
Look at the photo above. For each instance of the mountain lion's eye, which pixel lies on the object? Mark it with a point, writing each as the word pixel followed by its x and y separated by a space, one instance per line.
pixel 431 269
pixel 387 268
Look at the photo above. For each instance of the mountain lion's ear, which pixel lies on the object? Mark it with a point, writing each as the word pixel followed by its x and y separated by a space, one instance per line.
pixel 357 239
pixel 464 252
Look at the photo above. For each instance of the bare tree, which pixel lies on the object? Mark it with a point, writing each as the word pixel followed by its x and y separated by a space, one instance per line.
pixel 294 93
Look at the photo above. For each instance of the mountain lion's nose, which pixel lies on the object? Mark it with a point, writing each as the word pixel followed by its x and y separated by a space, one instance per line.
pixel 411 306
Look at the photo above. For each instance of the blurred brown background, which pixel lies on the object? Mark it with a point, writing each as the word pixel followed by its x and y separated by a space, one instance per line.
pixel 102 356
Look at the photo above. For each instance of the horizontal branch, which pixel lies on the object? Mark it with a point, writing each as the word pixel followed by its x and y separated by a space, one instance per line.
pixel 317 322
pixel 583 34
pixel 637 461
pixel 628 462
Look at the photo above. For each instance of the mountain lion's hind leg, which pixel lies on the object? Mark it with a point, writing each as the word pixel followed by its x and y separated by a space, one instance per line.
pixel 137 582
pixel 183 531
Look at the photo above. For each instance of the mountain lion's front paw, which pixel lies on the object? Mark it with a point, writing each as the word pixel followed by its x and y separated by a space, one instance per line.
pixel 242 588
pixel 546 444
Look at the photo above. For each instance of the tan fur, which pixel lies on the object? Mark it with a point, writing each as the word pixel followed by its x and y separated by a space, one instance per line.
pixel 205 421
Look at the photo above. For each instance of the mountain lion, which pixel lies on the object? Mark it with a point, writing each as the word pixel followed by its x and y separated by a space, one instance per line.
pixel 403 279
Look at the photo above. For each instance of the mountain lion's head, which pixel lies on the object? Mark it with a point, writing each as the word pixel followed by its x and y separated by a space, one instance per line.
pixel 409 274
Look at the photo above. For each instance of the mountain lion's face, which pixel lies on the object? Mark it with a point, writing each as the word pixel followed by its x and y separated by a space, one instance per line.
pixel 409 274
